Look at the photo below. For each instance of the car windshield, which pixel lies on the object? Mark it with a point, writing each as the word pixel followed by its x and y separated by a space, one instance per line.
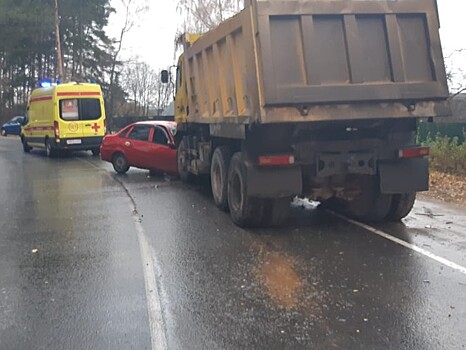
pixel 172 129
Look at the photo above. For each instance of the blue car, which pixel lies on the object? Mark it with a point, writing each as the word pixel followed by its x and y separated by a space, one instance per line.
pixel 13 127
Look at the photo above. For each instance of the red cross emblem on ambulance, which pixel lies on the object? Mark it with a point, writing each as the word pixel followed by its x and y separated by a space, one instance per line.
pixel 95 127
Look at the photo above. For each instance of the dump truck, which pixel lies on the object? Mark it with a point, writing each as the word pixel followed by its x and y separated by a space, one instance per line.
pixel 315 99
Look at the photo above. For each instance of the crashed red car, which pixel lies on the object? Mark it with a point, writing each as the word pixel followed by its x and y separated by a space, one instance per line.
pixel 145 145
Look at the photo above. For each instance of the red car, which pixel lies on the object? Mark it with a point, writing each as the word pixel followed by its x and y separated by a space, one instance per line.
pixel 146 145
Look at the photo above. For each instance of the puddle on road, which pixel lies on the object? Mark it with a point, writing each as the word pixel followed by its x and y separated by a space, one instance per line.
pixel 280 279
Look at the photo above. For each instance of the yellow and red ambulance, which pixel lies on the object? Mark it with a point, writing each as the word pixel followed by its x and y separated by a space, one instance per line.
pixel 65 117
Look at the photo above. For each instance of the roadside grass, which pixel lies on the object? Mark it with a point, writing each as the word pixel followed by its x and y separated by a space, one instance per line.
pixel 447 154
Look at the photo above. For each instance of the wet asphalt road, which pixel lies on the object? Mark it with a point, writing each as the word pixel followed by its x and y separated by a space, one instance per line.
pixel 319 283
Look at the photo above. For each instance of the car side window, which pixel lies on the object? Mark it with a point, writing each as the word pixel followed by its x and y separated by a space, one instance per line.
pixel 160 136
pixel 140 132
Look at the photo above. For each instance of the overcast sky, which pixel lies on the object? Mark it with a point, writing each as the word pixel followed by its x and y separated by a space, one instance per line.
pixel 153 37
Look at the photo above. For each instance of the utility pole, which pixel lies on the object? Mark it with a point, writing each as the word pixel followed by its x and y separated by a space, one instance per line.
pixel 61 68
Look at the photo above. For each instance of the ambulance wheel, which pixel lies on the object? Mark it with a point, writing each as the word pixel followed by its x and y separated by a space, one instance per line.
pixel 3 132
pixel 95 151
pixel 26 147
pixel 120 164
pixel 245 211
pixel 219 176
pixel 49 150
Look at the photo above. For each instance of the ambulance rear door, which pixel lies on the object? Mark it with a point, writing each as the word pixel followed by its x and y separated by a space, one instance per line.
pixel 71 128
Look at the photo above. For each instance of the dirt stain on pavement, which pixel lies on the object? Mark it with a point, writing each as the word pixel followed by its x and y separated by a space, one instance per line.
pixel 280 279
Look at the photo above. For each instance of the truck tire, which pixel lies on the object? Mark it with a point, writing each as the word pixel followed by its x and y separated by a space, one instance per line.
pixel 276 212
pixel 370 205
pixel 49 150
pixel 95 151
pixel 401 206
pixel 245 211
pixel 374 210
pixel 219 176
pixel 182 160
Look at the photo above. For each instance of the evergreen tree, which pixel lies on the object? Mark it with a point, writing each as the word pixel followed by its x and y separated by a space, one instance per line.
pixel 27 46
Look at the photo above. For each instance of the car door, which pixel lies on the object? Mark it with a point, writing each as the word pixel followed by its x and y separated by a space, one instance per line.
pixel 22 120
pixel 162 152
pixel 137 146
pixel 14 126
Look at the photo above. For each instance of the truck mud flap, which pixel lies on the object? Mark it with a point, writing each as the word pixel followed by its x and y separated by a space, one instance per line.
pixel 404 176
pixel 273 182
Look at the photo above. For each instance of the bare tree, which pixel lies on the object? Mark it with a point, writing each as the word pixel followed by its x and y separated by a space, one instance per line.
pixel 203 15
pixel 456 74
pixel 132 10
pixel 143 85
pixel 163 96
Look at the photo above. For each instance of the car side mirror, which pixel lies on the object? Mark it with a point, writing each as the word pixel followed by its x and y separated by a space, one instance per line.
pixel 164 76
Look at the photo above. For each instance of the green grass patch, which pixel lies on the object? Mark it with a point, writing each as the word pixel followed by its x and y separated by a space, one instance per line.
pixel 447 154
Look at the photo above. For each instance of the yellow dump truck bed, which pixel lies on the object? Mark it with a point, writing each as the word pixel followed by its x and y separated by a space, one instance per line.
pixel 306 60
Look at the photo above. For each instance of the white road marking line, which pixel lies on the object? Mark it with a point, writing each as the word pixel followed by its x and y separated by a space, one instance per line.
pixel 150 266
pixel 154 306
pixel 413 247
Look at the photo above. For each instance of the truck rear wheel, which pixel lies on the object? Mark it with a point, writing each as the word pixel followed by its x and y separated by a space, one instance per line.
pixel 219 176
pixel 370 205
pixel 276 211
pixel 402 204
pixel 375 210
pixel 245 211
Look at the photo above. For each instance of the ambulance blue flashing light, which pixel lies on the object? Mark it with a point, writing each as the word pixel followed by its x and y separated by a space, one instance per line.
pixel 45 83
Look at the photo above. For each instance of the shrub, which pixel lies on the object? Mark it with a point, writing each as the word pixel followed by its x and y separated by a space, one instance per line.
pixel 447 154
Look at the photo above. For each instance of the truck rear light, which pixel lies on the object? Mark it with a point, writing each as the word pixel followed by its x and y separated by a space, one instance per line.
pixel 276 160
pixel 56 130
pixel 414 152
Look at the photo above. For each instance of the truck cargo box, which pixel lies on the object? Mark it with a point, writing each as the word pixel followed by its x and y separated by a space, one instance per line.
pixel 306 60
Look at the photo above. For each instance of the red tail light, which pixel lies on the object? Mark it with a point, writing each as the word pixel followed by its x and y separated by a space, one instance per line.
pixel 276 160
pixel 414 152
pixel 56 129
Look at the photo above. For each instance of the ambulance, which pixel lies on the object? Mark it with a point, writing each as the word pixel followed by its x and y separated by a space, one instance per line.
pixel 65 117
